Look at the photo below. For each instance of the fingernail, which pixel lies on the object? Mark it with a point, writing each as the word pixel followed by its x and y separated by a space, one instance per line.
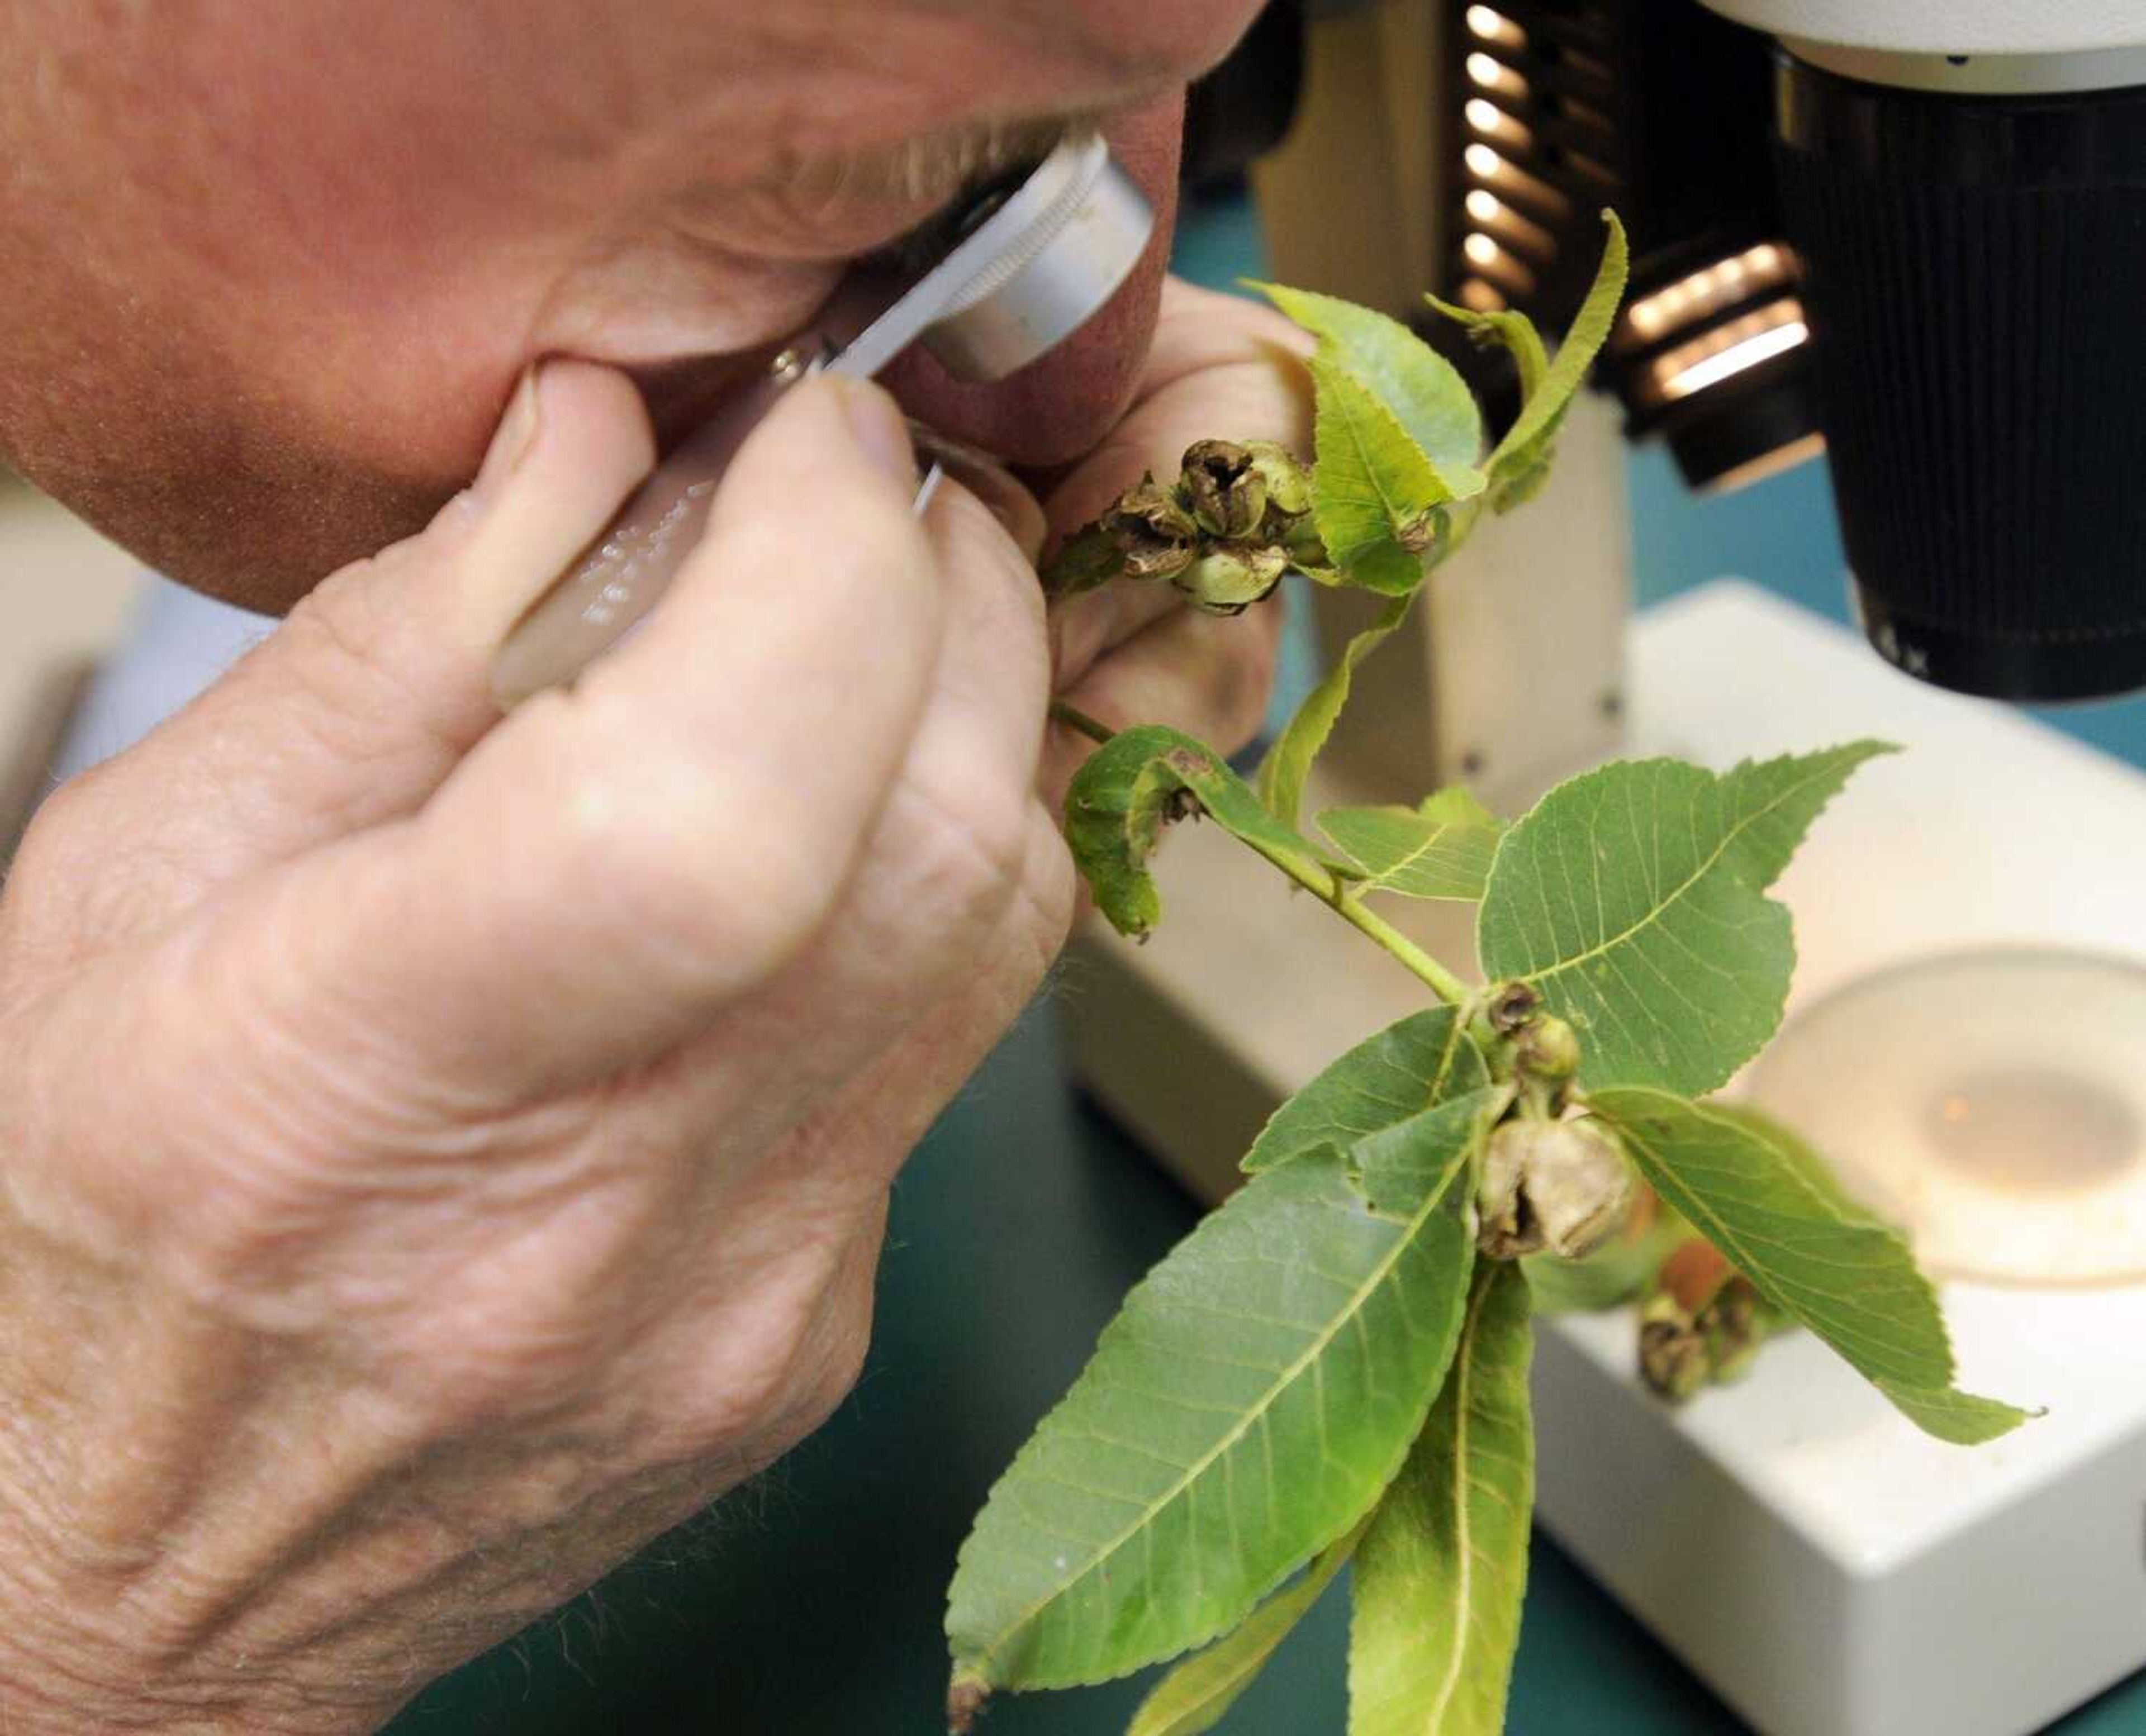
pixel 515 436
pixel 991 483
pixel 881 431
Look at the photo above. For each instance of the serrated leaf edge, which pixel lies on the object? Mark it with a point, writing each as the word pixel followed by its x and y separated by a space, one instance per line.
pixel 1871 750
pixel 970 1665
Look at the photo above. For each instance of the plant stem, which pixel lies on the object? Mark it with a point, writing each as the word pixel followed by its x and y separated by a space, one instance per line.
pixel 1074 718
pixel 1334 893
pixel 1443 983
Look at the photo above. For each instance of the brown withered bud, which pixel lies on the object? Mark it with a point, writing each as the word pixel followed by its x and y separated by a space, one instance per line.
pixel 1149 524
pixel 1511 1006
pixel 1740 1321
pixel 1703 1323
pixel 1232 576
pixel 1224 489
pixel 1424 532
pixel 1561 1187
pixel 1673 1357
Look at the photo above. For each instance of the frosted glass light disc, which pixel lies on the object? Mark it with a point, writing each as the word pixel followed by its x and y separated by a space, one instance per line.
pixel 1992 1104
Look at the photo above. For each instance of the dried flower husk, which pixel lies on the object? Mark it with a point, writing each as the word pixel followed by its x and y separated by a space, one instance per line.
pixel 1152 528
pixel 1560 1187
pixel 1288 482
pixel 1511 1006
pixel 1230 576
pixel 1505 1227
pixel 1224 487
pixel 1703 1323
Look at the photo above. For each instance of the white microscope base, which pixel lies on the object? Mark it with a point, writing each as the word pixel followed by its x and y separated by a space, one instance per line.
pixel 1825 1568
pixel 1828 1569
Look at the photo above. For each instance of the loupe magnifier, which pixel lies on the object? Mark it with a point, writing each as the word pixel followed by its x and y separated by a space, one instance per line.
pixel 1033 266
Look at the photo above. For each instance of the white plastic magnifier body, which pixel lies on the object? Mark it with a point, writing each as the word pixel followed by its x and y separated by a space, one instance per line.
pixel 1027 276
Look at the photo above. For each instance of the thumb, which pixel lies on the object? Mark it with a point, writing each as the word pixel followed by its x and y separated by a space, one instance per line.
pixel 355 711
pixel 611 868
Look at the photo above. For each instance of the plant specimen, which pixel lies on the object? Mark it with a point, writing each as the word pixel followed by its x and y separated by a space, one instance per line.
pixel 1331 1369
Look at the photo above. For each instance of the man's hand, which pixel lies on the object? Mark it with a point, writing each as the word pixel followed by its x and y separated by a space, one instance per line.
pixel 438 1153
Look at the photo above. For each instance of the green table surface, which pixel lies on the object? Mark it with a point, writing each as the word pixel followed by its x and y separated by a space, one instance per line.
pixel 809 1603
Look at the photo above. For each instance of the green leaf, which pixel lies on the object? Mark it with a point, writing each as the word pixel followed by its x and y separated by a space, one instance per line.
pixel 1374 493
pixel 1457 805
pixel 1633 898
pixel 1194 1697
pixel 1410 1066
pixel 1423 389
pixel 1395 1167
pixel 1960 1419
pixel 1439 1574
pixel 1522 459
pixel 1130 787
pixel 1281 775
pixel 1513 332
pixel 1440 849
pixel 1747 1186
pixel 1259 1389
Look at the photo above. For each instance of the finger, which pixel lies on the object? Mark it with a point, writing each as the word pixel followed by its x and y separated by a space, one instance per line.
pixel 1206 675
pixel 359 706
pixel 1086 629
pixel 616 862
pixel 961 849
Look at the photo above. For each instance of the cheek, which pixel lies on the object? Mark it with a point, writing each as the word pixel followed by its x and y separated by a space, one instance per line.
pixel 1182 36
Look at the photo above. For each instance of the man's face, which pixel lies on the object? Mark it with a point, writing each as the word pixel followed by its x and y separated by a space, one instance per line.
pixel 269 273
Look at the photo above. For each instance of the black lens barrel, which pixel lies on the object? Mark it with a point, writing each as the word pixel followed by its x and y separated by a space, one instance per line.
pixel 1977 292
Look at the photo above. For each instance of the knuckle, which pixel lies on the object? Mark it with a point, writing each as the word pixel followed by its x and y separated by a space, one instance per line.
pixel 794 1350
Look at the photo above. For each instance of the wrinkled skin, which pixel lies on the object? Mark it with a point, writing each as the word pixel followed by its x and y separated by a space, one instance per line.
pixel 436 1152
pixel 270 273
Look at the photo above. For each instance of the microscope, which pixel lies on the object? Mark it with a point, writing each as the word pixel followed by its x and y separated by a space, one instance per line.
pixel 1908 237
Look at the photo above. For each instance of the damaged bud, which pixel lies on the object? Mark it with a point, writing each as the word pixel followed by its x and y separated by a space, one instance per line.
pixel 1560 1187
pixel 1232 576
pixel 1299 537
pixel 1288 482
pixel 1235 520
pixel 1224 487
pixel 1153 530
pixel 1511 1006
pixel 1702 1324
pixel 1505 1226
pixel 1422 532
pixel 1672 1350
pixel 1547 1048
